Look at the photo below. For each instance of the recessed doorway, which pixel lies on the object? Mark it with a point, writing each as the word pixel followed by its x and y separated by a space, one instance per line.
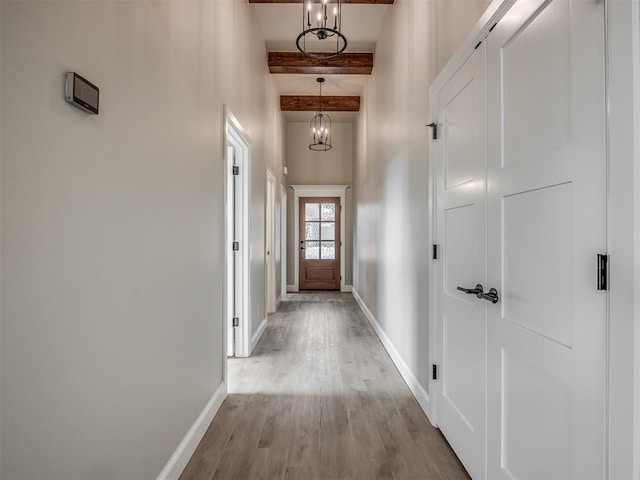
pixel 319 244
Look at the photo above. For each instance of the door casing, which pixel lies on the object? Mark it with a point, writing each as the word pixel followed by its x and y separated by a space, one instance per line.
pixel 270 243
pixel 237 138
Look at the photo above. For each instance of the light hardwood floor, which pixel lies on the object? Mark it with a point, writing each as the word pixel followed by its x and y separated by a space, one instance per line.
pixel 320 399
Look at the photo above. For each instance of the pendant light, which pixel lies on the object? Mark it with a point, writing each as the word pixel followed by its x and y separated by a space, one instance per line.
pixel 320 127
pixel 322 20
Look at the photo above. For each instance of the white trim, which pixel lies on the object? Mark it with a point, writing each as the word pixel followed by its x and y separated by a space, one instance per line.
pixel 635 10
pixel 233 129
pixel 318 191
pixel 412 382
pixel 347 288
pixel 271 299
pixel 623 23
pixel 292 288
pixel 258 334
pixel 178 461
pixel 283 243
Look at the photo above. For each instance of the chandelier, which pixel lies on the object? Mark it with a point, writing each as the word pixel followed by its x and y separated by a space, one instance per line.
pixel 320 128
pixel 327 25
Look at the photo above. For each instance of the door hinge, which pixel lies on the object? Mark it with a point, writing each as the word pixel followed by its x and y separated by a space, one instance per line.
pixel 236 170
pixel 434 372
pixel 235 322
pixel 434 131
pixel 235 246
pixel 603 272
pixel 434 255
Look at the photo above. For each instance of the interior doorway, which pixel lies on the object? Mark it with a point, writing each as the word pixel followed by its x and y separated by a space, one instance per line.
pixel 236 246
pixel 270 241
pixel 283 242
pixel 521 228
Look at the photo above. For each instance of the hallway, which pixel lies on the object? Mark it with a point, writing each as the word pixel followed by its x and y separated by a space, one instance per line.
pixel 320 399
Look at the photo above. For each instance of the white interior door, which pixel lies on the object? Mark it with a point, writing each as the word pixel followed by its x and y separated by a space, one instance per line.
pixel 460 232
pixel 546 224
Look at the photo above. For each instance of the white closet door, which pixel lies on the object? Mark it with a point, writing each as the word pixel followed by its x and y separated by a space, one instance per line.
pixel 546 225
pixel 461 230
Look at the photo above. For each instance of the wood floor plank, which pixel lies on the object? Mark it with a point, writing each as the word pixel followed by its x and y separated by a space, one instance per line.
pixel 320 399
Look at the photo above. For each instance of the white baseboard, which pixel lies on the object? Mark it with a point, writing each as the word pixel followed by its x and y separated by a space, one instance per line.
pixel 292 288
pixel 347 288
pixel 410 379
pixel 258 334
pixel 178 461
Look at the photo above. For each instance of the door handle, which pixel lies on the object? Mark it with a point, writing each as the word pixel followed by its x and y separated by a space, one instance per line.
pixel 490 296
pixel 473 291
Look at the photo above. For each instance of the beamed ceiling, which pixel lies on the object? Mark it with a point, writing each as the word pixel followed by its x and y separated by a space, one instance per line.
pixel 295 74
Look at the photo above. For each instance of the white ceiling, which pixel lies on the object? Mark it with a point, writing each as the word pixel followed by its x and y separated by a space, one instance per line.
pixel 281 23
pixel 289 84
pixel 336 117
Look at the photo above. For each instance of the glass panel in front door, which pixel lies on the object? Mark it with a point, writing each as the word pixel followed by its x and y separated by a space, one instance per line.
pixel 320 231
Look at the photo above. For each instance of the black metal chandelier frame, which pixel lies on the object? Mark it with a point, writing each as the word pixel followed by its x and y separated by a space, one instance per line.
pixel 322 30
pixel 320 127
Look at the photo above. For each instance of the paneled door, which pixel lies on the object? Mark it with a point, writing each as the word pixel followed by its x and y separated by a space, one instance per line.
pixel 319 243
pixel 546 226
pixel 461 171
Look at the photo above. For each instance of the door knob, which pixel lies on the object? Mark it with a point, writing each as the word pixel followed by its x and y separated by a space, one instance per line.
pixel 473 291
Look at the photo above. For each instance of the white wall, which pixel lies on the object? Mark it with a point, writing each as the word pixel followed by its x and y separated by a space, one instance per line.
pixel 454 20
pixel 112 226
pixel 393 251
pixel 307 167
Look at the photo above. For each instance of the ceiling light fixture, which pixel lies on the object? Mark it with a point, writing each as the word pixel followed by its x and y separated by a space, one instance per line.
pixel 320 127
pixel 327 25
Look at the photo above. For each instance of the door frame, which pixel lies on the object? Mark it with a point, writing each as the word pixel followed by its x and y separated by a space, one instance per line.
pixel 270 243
pixel 318 191
pixel 283 243
pixel 235 135
pixel 622 59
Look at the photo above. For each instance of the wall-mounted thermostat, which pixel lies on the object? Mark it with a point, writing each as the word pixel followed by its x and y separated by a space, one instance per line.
pixel 81 93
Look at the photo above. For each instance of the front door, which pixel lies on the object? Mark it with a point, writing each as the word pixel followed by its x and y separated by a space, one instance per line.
pixel 319 243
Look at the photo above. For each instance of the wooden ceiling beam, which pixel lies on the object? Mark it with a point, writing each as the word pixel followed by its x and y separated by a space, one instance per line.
pixel 366 2
pixel 310 103
pixel 343 64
